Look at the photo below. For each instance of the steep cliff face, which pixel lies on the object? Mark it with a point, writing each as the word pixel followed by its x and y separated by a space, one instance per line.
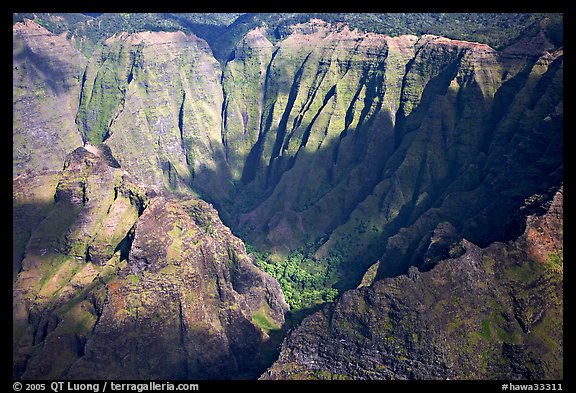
pixel 379 154
pixel 46 79
pixel 118 282
pixel 156 98
pixel 492 312
pixel 501 151
pixel 327 136
pixel 335 136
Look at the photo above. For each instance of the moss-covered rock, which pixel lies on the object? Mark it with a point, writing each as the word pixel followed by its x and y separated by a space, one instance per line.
pixel 165 117
pixel 491 313
pixel 46 81
pixel 364 147
pixel 119 282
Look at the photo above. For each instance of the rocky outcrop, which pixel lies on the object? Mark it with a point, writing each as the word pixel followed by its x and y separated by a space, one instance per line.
pixel 491 313
pixel 107 205
pixel 119 282
pixel 190 304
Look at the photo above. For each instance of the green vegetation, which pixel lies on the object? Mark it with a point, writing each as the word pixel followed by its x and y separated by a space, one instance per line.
pixel 361 225
pixel 556 259
pixel 454 324
pixel 370 275
pixel 525 273
pixel 93 30
pixel 223 30
pixel 305 283
pixel 134 279
pixel 50 267
pixel 495 29
pixel 261 319
pixel 545 331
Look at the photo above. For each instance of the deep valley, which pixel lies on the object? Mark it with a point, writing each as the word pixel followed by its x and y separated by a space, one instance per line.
pixel 322 202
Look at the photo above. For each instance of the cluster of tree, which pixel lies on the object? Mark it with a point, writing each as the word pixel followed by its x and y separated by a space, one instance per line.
pixel 305 282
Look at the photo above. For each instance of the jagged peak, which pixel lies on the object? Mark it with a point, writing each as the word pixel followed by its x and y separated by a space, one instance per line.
pixel 253 40
pixel 256 38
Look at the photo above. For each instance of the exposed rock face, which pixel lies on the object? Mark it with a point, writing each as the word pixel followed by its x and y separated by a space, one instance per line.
pixel 374 148
pixel 490 313
pixel 106 202
pixel 46 78
pixel 365 141
pixel 156 99
pixel 120 283
pixel 33 199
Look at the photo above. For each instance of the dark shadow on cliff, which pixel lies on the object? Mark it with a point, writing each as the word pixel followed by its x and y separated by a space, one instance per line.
pixel 271 349
pixel 55 72
pixel 25 218
pixel 221 39
pixel 481 192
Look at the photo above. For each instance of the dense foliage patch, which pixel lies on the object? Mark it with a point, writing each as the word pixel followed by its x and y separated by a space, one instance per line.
pixel 305 283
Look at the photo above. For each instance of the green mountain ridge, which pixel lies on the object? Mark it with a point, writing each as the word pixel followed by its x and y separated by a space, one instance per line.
pixel 331 150
pixel 319 96
pixel 274 112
